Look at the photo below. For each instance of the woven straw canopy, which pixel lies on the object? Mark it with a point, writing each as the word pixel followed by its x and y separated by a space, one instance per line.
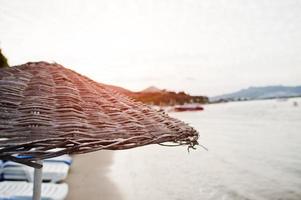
pixel 46 106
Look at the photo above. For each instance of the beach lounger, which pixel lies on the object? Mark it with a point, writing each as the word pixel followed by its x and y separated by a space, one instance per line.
pixel 17 190
pixel 64 158
pixel 52 171
pixel 1 163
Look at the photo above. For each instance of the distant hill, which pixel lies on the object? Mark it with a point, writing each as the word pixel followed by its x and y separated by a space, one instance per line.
pixel 155 96
pixel 151 89
pixel 260 93
pixel 119 89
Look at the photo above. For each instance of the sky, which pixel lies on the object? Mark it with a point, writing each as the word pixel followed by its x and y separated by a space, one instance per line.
pixel 203 47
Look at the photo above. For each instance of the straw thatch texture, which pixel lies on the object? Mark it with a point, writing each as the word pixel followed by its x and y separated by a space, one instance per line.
pixel 46 106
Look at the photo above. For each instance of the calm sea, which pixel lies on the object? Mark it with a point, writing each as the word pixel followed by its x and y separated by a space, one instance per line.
pixel 254 153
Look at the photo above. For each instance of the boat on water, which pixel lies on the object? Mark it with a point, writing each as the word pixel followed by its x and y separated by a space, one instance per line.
pixel 188 107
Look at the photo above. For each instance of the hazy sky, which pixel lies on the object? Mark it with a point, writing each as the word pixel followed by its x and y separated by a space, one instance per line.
pixel 203 47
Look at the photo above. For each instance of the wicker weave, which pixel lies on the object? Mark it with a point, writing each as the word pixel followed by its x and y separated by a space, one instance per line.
pixel 46 106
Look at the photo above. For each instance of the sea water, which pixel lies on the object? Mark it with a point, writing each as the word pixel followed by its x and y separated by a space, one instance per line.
pixel 254 153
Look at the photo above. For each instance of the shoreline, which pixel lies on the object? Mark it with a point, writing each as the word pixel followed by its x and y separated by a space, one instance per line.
pixel 88 177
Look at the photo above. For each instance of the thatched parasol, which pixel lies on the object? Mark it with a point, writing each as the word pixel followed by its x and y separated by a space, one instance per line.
pixel 46 107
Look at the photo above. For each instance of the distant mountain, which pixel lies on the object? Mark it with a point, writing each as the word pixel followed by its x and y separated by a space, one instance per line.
pixel 260 93
pixel 155 96
pixel 151 89
pixel 119 89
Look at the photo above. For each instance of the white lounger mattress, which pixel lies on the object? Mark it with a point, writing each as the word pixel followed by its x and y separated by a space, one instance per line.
pixel 17 190
pixel 52 171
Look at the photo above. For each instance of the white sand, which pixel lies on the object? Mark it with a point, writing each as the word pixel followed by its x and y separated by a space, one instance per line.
pixel 88 177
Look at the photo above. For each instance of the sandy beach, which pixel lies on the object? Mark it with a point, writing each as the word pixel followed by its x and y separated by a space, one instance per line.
pixel 88 177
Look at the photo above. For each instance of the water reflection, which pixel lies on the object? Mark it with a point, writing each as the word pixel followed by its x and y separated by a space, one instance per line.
pixel 254 153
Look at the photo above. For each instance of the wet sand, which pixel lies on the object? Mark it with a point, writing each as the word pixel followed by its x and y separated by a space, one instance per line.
pixel 88 177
